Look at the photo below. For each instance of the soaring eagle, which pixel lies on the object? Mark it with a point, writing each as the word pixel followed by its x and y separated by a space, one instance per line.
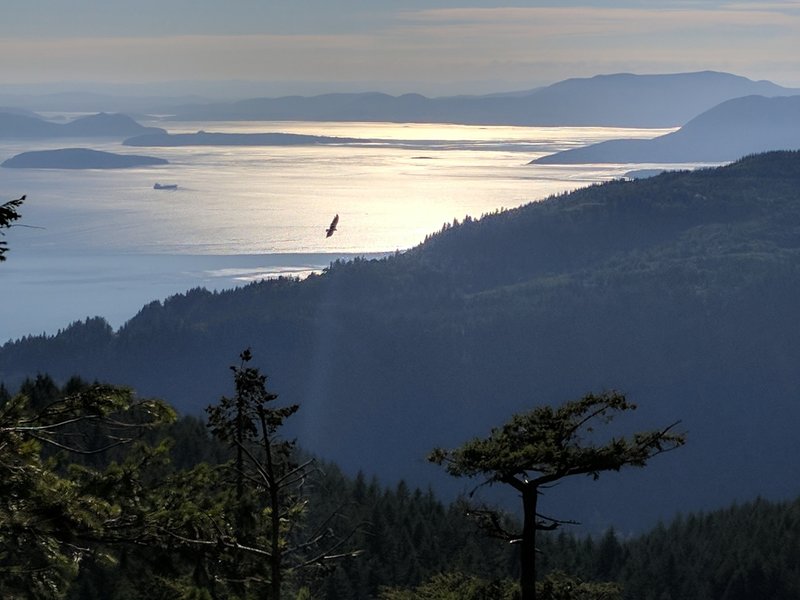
pixel 329 231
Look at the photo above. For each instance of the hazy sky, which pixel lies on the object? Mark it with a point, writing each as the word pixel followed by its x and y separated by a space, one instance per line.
pixel 393 45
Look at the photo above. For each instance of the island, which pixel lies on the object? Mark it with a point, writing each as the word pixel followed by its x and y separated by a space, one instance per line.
pixel 202 138
pixel 79 158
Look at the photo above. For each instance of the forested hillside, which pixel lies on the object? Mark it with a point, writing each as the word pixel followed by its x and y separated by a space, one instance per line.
pixel 679 290
pixel 397 542
pixel 738 553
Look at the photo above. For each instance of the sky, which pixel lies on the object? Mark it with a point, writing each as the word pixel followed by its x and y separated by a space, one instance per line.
pixel 396 46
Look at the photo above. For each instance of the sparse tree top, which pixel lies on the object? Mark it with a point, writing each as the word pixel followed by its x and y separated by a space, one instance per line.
pixel 547 444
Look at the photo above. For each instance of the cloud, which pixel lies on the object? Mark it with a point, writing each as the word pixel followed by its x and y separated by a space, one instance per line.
pixel 524 45
pixel 560 21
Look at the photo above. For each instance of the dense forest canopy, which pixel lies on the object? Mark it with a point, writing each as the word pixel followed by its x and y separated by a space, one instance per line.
pixel 680 290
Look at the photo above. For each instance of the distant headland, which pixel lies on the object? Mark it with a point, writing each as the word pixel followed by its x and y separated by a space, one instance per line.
pixel 202 138
pixel 16 125
pixel 724 133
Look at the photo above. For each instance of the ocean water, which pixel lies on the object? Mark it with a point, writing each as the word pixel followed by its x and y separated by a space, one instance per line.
pixel 104 242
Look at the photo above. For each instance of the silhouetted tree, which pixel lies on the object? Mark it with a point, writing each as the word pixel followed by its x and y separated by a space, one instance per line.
pixel 543 446
pixel 270 500
pixel 8 214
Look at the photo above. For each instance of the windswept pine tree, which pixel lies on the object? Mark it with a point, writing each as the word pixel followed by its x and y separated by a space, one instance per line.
pixel 538 449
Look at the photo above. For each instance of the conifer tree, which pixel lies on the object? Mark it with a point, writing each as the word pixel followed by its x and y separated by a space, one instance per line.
pixel 49 520
pixel 270 500
pixel 539 448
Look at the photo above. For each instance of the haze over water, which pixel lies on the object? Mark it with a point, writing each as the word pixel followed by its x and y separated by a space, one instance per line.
pixel 111 243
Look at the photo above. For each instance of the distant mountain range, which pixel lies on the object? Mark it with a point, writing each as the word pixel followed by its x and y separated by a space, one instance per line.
pixel 16 125
pixel 78 158
pixel 680 290
pixel 622 100
pixel 728 131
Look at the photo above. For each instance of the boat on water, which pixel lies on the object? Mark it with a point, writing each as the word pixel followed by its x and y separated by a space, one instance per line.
pixel 165 186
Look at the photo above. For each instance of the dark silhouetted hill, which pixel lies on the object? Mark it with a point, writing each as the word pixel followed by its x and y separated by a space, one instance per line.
pixel 13 110
pixel 78 158
pixel 680 289
pixel 729 131
pixel 14 125
pixel 622 100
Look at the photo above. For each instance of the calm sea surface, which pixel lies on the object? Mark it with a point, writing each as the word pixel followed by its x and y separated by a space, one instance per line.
pixel 106 242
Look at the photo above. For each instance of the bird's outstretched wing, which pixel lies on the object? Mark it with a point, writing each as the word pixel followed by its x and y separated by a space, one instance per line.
pixel 329 231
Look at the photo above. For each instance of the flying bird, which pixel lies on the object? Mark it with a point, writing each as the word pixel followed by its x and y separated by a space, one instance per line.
pixel 329 231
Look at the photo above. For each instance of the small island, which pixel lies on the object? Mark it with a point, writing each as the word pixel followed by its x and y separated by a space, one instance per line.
pixel 79 158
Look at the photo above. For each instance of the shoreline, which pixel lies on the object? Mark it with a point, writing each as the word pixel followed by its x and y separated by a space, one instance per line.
pixel 45 293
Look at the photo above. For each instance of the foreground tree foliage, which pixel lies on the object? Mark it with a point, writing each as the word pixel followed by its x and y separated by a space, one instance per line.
pixel 157 519
pixel 455 586
pixel 128 506
pixel 459 586
pixel 236 529
pixel 268 541
pixel 541 447
pixel 9 212
pixel 48 519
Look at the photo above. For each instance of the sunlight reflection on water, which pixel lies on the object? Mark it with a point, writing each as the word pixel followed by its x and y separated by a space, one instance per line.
pixel 262 203
pixel 252 200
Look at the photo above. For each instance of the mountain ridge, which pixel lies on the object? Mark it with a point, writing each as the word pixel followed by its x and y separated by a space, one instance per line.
pixel 622 100
pixel 17 126
pixel 728 131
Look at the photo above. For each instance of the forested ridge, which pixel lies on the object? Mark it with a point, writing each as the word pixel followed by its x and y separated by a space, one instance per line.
pixel 740 552
pixel 680 289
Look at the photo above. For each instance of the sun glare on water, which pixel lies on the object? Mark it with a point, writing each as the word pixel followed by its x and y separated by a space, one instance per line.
pixel 109 242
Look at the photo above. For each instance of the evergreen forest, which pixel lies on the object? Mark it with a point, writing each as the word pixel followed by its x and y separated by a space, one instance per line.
pixel 395 541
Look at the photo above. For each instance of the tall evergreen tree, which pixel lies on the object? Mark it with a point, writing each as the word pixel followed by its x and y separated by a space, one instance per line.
pixel 539 448
pixel 270 499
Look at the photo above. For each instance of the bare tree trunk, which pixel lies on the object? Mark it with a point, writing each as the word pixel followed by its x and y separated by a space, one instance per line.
pixel 527 578
pixel 276 558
